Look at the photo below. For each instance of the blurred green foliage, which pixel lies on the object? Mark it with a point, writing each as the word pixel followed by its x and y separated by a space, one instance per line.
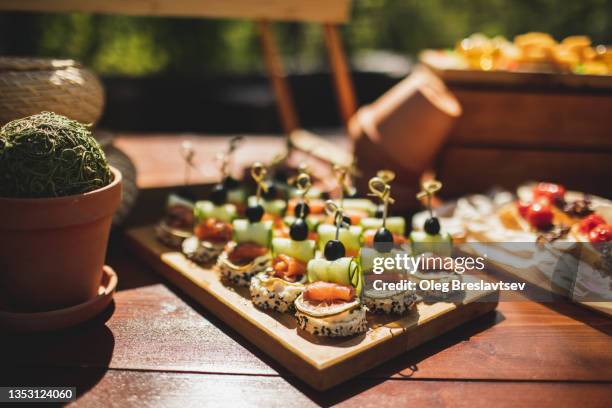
pixel 138 46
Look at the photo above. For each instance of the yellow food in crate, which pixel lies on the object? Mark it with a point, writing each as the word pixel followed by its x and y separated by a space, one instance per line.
pixel 535 52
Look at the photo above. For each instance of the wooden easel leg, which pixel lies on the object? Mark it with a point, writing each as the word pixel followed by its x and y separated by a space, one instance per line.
pixel 278 80
pixel 341 73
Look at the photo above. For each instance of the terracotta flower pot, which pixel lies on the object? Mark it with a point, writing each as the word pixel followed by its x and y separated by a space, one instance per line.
pixel 410 122
pixel 403 130
pixel 52 250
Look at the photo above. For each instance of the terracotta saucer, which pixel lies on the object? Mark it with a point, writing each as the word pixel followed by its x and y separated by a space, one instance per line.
pixel 62 318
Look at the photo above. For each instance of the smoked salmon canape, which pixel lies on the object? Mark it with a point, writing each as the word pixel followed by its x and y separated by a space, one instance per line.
pixel 212 230
pixel 177 222
pixel 278 286
pixel 248 253
pixel 330 305
pixel 383 291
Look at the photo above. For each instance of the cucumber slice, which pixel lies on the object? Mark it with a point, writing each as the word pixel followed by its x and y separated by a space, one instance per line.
pixel 439 244
pixel 367 256
pixel 206 209
pixel 360 204
pixel 396 225
pixel 312 221
pixel 236 196
pixel 174 199
pixel 345 271
pixel 274 207
pixel 314 192
pixel 351 237
pixel 300 250
pixel 257 232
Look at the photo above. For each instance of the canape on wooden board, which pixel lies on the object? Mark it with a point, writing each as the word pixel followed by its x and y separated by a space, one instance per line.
pixel 433 244
pixel 330 305
pixel 384 243
pixel 177 222
pixel 249 251
pixel 213 228
pixel 278 287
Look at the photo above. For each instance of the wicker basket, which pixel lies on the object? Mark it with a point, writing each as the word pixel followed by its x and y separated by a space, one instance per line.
pixel 31 85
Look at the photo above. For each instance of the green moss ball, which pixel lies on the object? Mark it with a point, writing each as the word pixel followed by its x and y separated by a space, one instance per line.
pixel 49 155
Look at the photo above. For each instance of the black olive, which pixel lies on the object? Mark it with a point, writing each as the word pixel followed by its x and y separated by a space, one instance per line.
pixel 254 213
pixel 325 195
pixel 218 194
pixel 432 226
pixel 379 212
pixel 383 240
pixel 298 230
pixel 346 220
pixel 231 183
pixel 272 192
pixel 334 249
pixel 298 210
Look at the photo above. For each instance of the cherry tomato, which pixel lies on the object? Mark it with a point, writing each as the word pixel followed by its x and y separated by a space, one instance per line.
pixel 590 222
pixel 540 215
pixel 522 208
pixel 553 192
pixel 601 233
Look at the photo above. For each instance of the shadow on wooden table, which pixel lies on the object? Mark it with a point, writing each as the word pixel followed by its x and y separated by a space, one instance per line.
pixel 401 367
pixel 76 357
pixel 555 302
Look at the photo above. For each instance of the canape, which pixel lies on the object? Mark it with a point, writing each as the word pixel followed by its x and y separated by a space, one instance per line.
pixel 213 228
pixel 351 237
pixel 278 287
pixel 249 251
pixel 330 305
pixel 395 225
pixel 435 247
pixel 384 243
pixel 177 223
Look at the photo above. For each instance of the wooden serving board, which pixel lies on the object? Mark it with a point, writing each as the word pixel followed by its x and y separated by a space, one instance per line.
pixel 320 362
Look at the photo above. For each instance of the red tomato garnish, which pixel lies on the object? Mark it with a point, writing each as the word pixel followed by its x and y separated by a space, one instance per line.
pixel 213 230
pixel 288 268
pixel 590 222
pixel 601 233
pixel 522 207
pixel 540 215
pixel 246 252
pixel 553 192
pixel 328 292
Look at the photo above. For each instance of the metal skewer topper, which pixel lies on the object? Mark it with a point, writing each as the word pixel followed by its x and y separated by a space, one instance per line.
pixel 341 173
pixel 259 172
pixel 225 157
pixel 386 175
pixel 303 185
pixel 429 189
pixel 188 154
pixel 337 213
pixel 381 189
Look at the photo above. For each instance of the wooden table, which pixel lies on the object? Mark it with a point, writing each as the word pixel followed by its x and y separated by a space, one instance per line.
pixel 155 347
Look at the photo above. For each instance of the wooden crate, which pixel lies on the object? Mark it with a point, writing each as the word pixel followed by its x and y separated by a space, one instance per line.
pixel 531 128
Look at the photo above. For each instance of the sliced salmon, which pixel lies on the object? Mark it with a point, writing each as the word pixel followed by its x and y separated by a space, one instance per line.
pixel 288 268
pixel 244 253
pixel 213 230
pixel 329 292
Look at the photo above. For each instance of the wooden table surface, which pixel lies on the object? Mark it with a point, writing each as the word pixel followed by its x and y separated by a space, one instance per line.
pixel 154 347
